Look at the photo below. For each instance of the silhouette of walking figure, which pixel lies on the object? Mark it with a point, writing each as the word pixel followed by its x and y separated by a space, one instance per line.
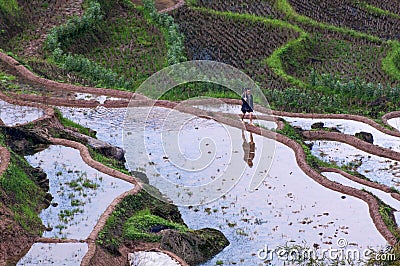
pixel 249 149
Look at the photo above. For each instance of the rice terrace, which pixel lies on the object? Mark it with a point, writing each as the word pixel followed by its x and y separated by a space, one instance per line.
pixel 199 132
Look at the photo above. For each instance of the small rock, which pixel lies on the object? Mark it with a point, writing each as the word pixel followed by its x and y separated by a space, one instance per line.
pixel 365 136
pixel 318 125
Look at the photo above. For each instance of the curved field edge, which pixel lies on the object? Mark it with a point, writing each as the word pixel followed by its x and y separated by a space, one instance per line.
pixel 275 63
pixel 300 157
pixel 86 156
pixel 274 60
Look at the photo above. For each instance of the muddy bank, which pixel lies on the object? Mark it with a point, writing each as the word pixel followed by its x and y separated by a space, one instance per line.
pixel 353 141
pixel 14 240
pixel 4 159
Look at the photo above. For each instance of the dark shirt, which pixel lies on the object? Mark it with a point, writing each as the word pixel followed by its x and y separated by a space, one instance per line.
pixel 247 102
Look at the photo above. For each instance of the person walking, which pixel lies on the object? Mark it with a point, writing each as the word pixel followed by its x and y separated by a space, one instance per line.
pixel 247 104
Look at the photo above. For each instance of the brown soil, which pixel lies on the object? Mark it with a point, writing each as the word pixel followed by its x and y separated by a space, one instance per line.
pixel 345 13
pixel 4 159
pixel 23 71
pixel 14 240
pixel 235 42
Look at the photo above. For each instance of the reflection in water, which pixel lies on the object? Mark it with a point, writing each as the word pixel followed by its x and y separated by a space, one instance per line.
pixel 249 149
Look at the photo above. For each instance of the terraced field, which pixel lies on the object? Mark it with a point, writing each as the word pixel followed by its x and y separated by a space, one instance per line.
pixel 87 162
pixel 261 8
pixel 342 56
pixel 349 14
pixel 235 40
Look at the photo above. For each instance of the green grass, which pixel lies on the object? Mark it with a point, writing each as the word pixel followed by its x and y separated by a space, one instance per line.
pixel 97 156
pixel 275 61
pixel 198 89
pixel 386 213
pixel 285 7
pixel 391 62
pixel 25 196
pixel 314 161
pixel 250 18
pixel 9 6
pixel 107 161
pixel 69 123
pixel 376 10
pixel 136 208
pixel 4 77
pixel 137 227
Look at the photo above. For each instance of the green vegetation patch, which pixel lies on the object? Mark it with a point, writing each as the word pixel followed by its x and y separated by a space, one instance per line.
pixel 9 6
pixel 69 123
pixel 386 213
pixel 311 160
pixel 23 196
pixel 116 44
pixel 107 161
pixel 314 161
pixel 285 7
pixel 121 225
pixel 139 226
pixel 391 63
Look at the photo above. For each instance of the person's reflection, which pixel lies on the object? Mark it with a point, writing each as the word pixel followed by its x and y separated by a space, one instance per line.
pixel 248 149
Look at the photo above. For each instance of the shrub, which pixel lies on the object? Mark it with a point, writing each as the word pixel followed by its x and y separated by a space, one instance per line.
pixel 175 39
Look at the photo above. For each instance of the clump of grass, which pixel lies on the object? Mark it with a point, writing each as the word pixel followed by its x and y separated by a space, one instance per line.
pixel 9 6
pixel 285 7
pixel 25 197
pixel 391 62
pixel 107 161
pixel 116 228
pixel 137 227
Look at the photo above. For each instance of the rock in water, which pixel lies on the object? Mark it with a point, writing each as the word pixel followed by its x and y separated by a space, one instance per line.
pixel 365 136
pixel 318 125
